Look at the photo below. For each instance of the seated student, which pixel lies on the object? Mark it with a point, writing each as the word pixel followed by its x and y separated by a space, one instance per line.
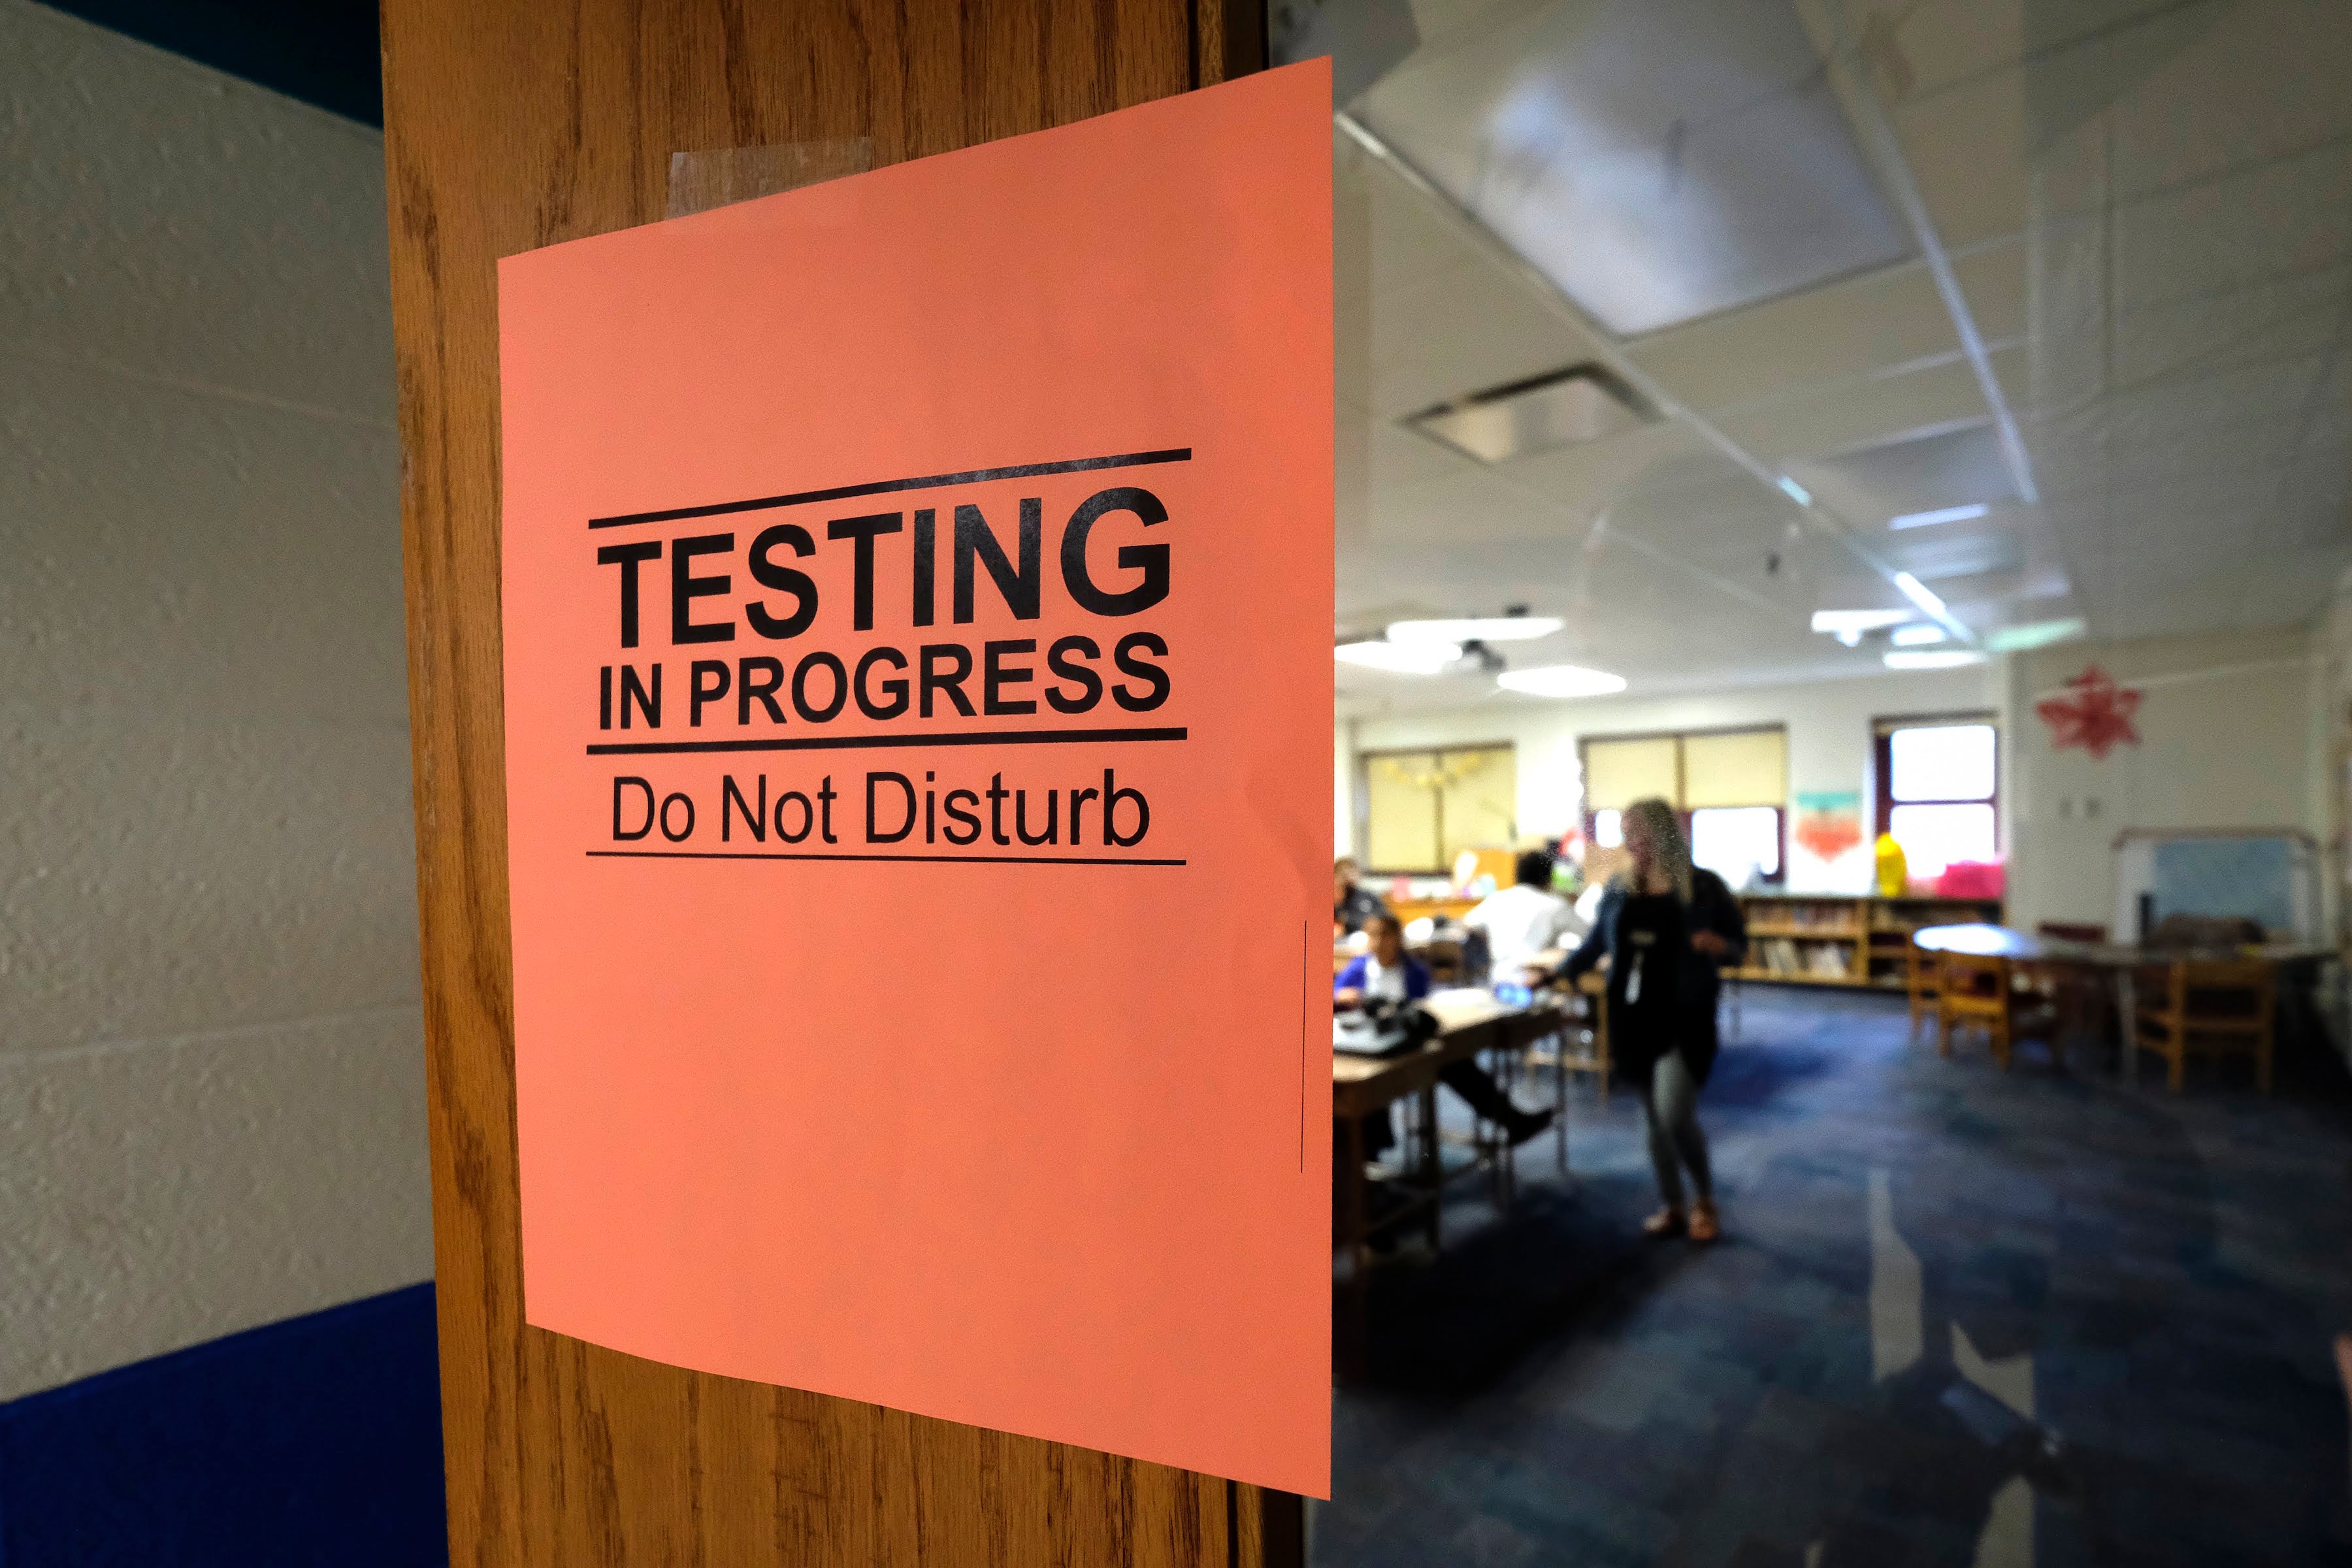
pixel 1524 920
pixel 1352 905
pixel 1389 973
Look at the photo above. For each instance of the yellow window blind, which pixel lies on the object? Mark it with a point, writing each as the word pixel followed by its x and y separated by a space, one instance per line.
pixel 1744 767
pixel 1479 807
pixel 1400 833
pixel 1619 773
pixel 1424 808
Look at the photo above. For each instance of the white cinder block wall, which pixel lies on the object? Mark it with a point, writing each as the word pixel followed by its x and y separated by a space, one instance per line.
pixel 211 1070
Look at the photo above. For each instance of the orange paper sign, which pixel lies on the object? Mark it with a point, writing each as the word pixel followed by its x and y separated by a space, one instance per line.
pixel 917 591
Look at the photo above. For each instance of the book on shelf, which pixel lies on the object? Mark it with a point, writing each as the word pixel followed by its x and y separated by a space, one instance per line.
pixel 1782 955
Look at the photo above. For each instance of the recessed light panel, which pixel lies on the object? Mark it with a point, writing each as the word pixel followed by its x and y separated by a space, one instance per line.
pixel 1583 403
pixel 2033 635
pixel 1941 514
pixel 1398 658
pixel 1476 628
pixel 1657 162
pixel 1839 622
pixel 1561 680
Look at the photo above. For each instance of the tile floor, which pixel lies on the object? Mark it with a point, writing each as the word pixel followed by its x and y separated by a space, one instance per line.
pixel 1961 1317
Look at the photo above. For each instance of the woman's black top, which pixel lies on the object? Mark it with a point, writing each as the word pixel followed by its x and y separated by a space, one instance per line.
pixel 1662 991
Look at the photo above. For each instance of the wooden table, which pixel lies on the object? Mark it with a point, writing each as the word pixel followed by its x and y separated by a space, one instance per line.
pixel 1468 1023
pixel 2116 960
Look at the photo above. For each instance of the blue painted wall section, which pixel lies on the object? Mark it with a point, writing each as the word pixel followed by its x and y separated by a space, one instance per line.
pixel 313 1441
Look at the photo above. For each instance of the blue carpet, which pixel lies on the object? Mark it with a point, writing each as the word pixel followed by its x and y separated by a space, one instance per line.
pixel 313 1441
pixel 1961 1316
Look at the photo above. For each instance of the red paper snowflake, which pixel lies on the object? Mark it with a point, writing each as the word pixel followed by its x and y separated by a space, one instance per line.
pixel 2094 714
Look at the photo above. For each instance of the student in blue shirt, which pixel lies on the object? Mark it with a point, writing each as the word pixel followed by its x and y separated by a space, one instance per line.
pixel 1389 973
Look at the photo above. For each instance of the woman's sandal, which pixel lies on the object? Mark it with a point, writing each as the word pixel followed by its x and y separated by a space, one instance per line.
pixel 1704 1226
pixel 1666 1222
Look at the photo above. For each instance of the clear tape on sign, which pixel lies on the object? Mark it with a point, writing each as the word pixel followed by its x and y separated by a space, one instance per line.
pixel 723 175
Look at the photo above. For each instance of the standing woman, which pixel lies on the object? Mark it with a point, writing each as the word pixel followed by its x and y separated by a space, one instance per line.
pixel 1668 930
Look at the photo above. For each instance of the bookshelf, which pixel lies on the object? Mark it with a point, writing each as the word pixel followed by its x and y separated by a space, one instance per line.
pixel 1824 939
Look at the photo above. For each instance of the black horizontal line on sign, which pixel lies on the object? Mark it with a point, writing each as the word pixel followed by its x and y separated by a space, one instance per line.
pixel 885 487
pixel 940 859
pixel 889 743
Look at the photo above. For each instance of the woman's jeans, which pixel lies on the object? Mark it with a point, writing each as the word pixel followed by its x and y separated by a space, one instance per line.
pixel 1671 1109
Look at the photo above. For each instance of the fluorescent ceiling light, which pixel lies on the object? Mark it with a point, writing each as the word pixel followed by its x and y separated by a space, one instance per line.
pixel 1920 595
pixel 1795 491
pixel 1656 162
pixel 1397 657
pixel 1948 514
pixel 2034 634
pixel 1920 634
pixel 1838 623
pixel 1932 658
pixel 1475 628
pixel 1561 680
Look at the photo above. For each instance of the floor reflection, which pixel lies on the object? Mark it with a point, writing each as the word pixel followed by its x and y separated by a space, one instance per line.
pixel 1963 1316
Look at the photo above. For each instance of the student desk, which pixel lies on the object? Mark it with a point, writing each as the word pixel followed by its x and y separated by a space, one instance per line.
pixel 1469 1022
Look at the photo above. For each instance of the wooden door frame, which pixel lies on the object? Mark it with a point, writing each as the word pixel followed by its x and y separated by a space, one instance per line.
pixel 511 124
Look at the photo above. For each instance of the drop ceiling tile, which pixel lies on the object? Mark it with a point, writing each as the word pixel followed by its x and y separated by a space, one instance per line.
pixel 1738 530
pixel 1469 507
pixel 2013 371
pixel 2198 413
pixel 2329 421
pixel 2276 318
pixel 1376 452
pixel 1596 474
pixel 1959 466
pixel 1882 318
pixel 1407 240
pixel 1662 161
pixel 1997 281
pixel 2288 589
pixel 1966 149
pixel 1853 414
pixel 2163 419
pixel 1442 22
pixel 2237 84
pixel 2293 214
pixel 1471 327
pixel 1924 48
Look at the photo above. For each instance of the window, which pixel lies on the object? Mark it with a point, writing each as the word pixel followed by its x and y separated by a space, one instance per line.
pixel 1729 787
pixel 1940 790
pixel 1733 840
pixel 1424 808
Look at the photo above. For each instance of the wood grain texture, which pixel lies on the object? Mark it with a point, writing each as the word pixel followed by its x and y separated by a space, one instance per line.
pixel 511 124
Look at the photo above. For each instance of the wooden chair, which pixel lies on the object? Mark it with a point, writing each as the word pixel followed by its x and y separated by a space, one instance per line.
pixel 2210 1008
pixel 1922 982
pixel 1977 992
